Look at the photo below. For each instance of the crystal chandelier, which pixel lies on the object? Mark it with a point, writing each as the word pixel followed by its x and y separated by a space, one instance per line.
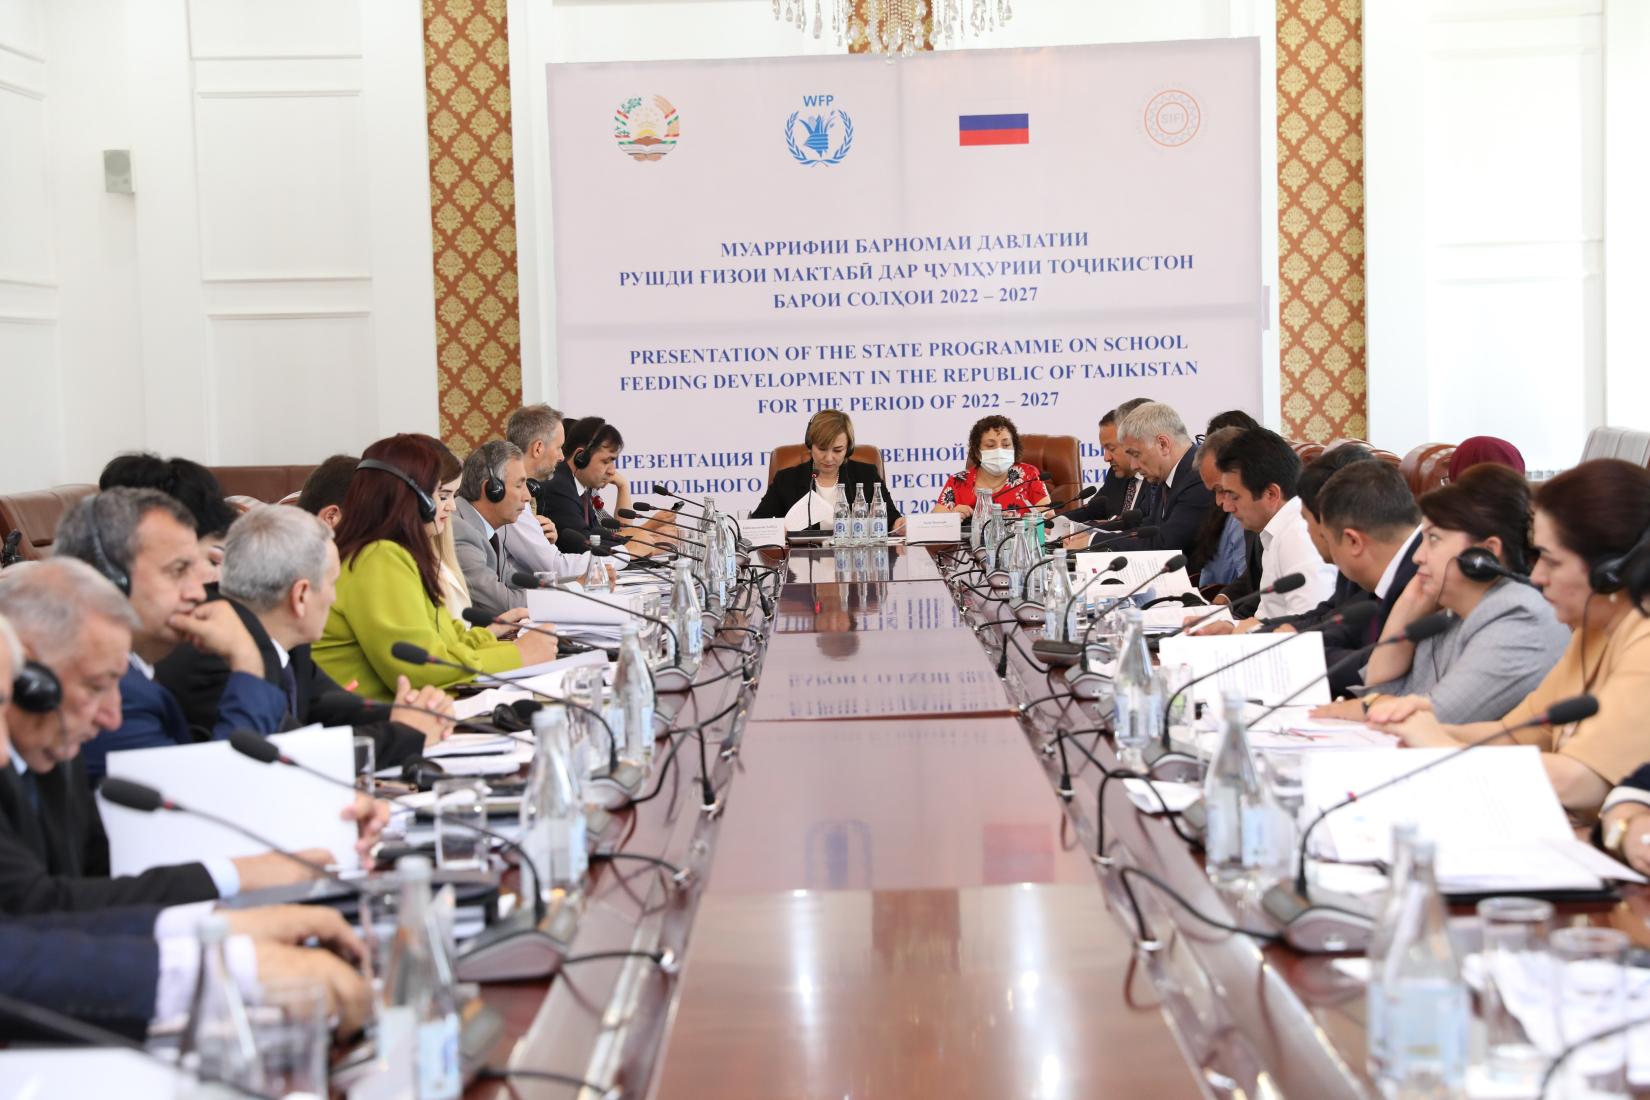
pixel 896 26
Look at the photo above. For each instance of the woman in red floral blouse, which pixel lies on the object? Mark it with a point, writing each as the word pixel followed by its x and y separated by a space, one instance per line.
pixel 994 467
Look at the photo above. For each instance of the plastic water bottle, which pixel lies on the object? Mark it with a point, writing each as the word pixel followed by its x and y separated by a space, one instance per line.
pixel 1137 719
pixel 1427 1003
pixel 840 521
pixel 418 982
pixel 860 528
pixel 552 812
pixel 218 1043
pixel 595 575
pixel 1380 945
pixel 633 690
pixel 1057 615
pixel 686 620
pixel 879 516
pixel 1019 561
pixel 1245 829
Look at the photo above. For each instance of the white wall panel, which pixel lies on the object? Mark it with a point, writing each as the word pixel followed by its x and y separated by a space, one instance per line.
pixel 29 415
pixel 275 28
pixel 25 223
pixel 291 387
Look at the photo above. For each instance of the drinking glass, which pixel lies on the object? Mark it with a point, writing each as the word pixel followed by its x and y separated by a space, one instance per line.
pixel 1176 677
pixel 460 810
pixel 366 765
pixel 289 1027
pixel 1282 771
pixel 1590 996
pixel 1515 950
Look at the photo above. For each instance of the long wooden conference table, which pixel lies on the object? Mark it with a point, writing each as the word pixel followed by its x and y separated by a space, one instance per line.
pixel 893 901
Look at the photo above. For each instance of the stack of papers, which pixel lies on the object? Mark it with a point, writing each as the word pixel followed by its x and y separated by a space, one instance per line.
pixel 1143 567
pixel 1167 617
pixel 1494 816
pixel 1275 669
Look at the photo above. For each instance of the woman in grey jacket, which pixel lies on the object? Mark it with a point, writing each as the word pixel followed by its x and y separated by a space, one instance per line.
pixel 1505 637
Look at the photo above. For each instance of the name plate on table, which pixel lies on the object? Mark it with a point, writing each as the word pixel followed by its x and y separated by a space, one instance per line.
pixel 548 605
pixel 763 532
pixel 934 527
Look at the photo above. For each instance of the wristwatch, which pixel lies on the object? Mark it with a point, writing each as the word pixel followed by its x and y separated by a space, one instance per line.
pixel 1615 833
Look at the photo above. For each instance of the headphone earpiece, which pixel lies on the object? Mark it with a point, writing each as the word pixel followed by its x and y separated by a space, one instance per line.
pixel 100 557
pixel 426 504
pixel 493 487
pixel 1608 575
pixel 36 690
pixel 583 454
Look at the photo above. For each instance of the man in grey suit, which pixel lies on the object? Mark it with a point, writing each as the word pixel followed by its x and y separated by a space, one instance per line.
pixel 492 493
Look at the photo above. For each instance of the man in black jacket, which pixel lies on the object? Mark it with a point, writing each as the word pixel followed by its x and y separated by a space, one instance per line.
pixel 1125 488
pixel 1157 443
pixel 577 494
pixel 54 854
pixel 280 573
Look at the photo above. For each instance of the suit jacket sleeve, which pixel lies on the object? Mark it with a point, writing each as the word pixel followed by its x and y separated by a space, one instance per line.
pixel 249 703
pixel 107 980
pixel 488 594
pixel 27 887
pixel 784 490
pixel 1178 529
pixel 565 511
pixel 197 681
pixel 1093 510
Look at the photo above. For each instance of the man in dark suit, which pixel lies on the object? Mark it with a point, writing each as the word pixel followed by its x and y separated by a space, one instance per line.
pixel 1124 488
pixel 1156 441
pixel 576 496
pixel 144 543
pixel 54 854
pixel 280 574
pixel 1372 526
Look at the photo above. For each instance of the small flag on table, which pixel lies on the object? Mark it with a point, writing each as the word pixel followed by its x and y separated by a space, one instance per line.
pixel 994 130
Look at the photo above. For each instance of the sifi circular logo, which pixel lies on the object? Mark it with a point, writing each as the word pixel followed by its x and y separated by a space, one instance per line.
pixel 646 129
pixel 1172 118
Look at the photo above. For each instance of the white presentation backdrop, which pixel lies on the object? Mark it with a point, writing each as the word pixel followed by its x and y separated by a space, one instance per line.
pixel 741 243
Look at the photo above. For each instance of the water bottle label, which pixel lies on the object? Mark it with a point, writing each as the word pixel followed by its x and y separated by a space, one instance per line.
pixel 568 855
pixel 840 527
pixel 1426 1030
pixel 438 1073
pixel 1016 583
pixel 859 527
pixel 696 636
pixel 1259 834
pixel 641 730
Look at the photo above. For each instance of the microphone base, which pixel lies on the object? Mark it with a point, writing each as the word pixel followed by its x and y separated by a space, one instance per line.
pixel 1088 686
pixel 1028 612
pixel 672 680
pixel 617 790
pixel 1056 653
pixel 518 948
pixel 1316 929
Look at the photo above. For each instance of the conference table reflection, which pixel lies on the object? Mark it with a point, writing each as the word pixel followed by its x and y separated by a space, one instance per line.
pixel 895 563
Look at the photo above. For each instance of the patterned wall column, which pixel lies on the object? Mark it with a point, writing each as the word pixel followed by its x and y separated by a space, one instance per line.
pixel 1321 219
pixel 473 218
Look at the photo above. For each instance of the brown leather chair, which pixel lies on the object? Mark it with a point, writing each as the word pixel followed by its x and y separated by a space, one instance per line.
pixel 1059 459
pixel 1427 467
pixel 789 454
pixel 36 514
pixel 265 483
pixel 1307 451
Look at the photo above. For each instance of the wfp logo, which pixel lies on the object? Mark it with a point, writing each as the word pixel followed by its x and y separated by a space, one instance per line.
pixel 825 138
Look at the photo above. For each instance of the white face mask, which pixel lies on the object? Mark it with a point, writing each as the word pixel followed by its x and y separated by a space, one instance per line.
pixel 996 462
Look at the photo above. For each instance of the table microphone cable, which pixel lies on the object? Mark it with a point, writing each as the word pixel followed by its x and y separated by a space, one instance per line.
pixel 1143 937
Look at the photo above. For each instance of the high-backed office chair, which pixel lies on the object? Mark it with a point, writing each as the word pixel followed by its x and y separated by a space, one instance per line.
pixel 36 514
pixel 1427 467
pixel 789 454
pixel 264 483
pixel 1059 459
pixel 1626 443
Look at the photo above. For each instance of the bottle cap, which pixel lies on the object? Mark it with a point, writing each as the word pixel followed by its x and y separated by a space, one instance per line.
pixel 414 868
pixel 212 929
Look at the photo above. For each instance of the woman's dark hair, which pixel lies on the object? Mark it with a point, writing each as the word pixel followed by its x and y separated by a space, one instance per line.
pixel 1488 502
pixel 380 506
pixel 187 482
pixel 986 424
pixel 1599 508
pixel 1231 418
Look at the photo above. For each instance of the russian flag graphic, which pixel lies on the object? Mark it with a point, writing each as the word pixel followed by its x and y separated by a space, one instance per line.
pixel 994 129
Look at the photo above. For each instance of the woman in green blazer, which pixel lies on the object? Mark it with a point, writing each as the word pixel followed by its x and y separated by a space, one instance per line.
pixel 390 588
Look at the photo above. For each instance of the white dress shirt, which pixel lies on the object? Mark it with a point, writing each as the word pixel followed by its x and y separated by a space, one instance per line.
pixel 537 554
pixel 1286 547
pixel 1392 566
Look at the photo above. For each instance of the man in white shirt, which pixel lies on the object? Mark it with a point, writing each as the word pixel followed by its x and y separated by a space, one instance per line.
pixel 1258 474
pixel 537 432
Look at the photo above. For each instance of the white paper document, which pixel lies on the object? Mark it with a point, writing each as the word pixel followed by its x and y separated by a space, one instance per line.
pixel 1280 666
pixel 553 668
pixel 812 510
pixel 1170 797
pixel 471 744
pixel 547 605
pixel 1167 617
pixel 289 807
pixel 1493 814
pixel 1142 568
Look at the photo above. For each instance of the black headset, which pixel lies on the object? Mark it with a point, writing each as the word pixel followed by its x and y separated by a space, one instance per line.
pixel 100 558
pixel 582 455
pixel 493 487
pixel 36 690
pixel 1606 575
pixel 426 505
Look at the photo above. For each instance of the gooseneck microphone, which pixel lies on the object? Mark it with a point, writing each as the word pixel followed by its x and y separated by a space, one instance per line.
pixel 146 799
pixel 1058 504
pixel 532 580
pixel 1353 615
pixel 1428 626
pixel 255 746
pixel 564 645
pixel 1062 650
pixel 1478 564
pixel 418 655
pixel 1173 564
pixel 1312 927
pixel 1286 583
